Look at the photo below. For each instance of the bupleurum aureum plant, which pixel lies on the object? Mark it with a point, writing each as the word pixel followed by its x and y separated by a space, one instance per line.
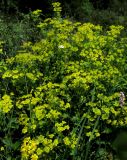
pixel 62 93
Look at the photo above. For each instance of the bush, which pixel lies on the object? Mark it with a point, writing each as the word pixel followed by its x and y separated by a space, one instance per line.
pixel 60 95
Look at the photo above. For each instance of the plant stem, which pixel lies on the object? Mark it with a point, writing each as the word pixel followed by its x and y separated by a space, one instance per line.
pixel 89 141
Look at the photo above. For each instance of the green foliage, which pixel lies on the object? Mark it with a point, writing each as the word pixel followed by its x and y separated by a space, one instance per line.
pixel 103 12
pixel 60 94
pixel 15 31
pixel 6 5
pixel 119 145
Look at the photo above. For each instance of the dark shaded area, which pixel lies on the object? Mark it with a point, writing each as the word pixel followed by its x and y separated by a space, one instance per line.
pixel 103 12
pixel 28 5
pixel 70 7
pixel 100 4
pixel 13 7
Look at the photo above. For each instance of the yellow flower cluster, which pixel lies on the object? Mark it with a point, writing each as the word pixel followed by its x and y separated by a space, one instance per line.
pixel 30 147
pixel 53 114
pixel 6 104
pixel 71 141
pixel 37 12
pixel 56 7
pixel 60 127
pixel 24 120
pixel 40 111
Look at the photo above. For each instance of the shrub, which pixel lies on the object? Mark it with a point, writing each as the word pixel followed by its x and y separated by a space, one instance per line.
pixel 61 94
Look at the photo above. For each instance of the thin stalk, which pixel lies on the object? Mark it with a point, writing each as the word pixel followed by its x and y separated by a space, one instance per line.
pixel 84 121
pixel 79 136
pixel 89 141
pixel 26 84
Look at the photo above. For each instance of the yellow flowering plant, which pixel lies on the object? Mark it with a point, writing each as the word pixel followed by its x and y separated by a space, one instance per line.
pixel 63 91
